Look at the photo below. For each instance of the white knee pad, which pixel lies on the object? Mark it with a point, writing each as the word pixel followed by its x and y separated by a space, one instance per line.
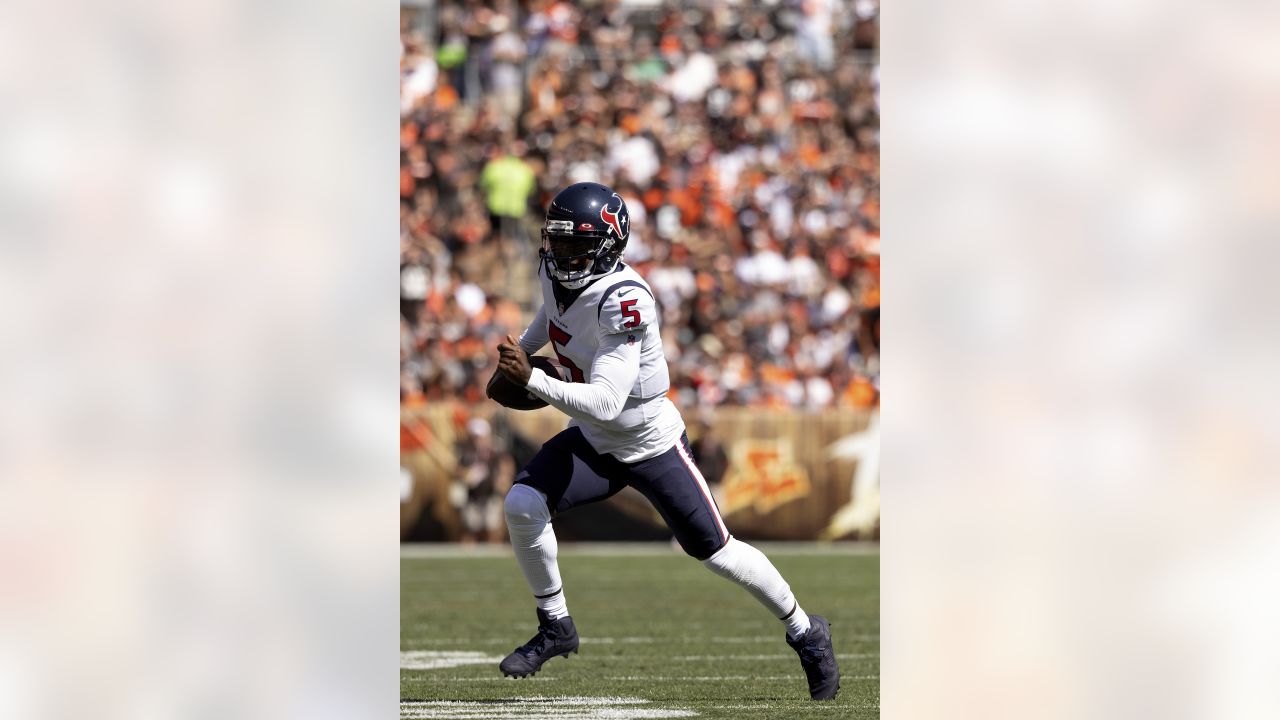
pixel 526 506
pixel 534 543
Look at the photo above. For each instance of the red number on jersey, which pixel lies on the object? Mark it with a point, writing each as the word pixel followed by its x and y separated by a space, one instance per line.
pixel 562 338
pixel 629 312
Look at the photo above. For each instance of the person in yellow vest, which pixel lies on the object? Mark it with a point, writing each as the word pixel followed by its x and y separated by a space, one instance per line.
pixel 507 182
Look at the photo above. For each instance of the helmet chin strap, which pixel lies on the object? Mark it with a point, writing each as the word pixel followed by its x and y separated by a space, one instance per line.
pixel 567 284
pixel 598 269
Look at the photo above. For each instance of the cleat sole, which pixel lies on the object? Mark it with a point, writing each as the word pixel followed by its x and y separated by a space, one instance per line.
pixel 518 676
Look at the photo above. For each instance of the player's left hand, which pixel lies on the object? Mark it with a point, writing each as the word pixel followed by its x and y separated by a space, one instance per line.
pixel 513 361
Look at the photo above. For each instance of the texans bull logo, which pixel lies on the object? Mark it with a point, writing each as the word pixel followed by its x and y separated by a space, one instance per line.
pixel 611 217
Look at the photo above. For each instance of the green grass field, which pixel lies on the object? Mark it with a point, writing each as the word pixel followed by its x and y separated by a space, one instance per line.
pixel 661 636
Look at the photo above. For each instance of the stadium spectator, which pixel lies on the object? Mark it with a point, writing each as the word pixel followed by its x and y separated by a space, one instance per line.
pixel 708 452
pixel 506 76
pixel 484 474
pixel 508 182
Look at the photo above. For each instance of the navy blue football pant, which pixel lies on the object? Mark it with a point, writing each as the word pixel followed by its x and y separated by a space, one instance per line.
pixel 571 473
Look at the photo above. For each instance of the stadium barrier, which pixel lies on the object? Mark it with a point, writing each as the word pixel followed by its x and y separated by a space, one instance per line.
pixel 781 475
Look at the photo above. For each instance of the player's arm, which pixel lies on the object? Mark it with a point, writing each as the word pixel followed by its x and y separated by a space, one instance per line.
pixel 535 336
pixel 613 374
pixel 624 312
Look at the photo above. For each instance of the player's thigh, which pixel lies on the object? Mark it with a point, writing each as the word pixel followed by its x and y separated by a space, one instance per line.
pixel 672 482
pixel 570 472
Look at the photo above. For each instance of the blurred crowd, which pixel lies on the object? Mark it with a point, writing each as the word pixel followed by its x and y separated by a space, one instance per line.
pixel 743 137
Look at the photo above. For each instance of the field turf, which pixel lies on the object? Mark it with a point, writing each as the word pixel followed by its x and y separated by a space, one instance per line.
pixel 661 635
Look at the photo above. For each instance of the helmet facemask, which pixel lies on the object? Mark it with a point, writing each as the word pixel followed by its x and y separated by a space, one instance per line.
pixel 572 258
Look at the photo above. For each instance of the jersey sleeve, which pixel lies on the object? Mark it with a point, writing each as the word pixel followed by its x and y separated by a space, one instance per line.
pixel 626 307
pixel 535 336
pixel 613 373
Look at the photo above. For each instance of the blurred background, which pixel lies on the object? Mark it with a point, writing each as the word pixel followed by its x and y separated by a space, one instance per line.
pixel 744 138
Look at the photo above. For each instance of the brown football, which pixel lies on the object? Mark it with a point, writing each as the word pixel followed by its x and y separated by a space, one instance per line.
pixel 507 394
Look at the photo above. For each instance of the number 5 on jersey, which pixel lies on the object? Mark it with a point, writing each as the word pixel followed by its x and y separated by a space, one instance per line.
pixel 559 339
pixel 629 312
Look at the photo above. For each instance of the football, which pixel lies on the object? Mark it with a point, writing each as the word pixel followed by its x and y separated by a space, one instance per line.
pixel 507 394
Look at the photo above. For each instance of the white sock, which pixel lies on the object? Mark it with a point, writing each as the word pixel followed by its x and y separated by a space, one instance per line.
pixel 749 568
pixel 555 607
pixel 797 622
pixel 534 542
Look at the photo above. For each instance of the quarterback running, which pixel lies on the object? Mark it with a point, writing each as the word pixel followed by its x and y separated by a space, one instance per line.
pixel 602 322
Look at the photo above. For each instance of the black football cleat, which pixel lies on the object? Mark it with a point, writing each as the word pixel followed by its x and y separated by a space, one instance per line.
pixel 555 638
pixel 818 659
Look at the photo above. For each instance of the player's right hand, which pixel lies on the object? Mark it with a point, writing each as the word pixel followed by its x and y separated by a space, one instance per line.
pixel 513 361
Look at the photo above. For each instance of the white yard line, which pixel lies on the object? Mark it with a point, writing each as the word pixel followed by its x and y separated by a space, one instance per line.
pixel 797 676
pixel 438 659
pixel 700 658
pixel 718 678
pixel 646 640
pixel 816 707
pixel 529 708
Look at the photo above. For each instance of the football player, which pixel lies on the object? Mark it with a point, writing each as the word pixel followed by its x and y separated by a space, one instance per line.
pixel 602 322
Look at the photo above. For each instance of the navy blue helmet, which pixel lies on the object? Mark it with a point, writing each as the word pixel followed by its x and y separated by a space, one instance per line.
pixel 585 233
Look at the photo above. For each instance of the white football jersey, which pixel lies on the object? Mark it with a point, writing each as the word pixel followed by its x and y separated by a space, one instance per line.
pixel 618 303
